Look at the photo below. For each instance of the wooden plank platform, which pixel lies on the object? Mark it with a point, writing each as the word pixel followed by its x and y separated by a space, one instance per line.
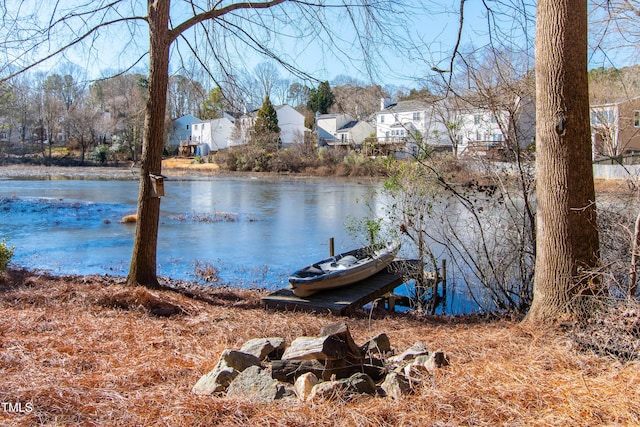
pixel 337 301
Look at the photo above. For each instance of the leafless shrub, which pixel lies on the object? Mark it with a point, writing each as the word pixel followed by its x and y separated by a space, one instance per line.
pixel 206 271
pixel 484 227
pixel 612 330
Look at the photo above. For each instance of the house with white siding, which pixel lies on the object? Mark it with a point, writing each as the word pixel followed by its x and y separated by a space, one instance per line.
pixel 407 126
pixel 342 130
pixel 354 133
pixel 214 134
pixel 494 130
pixel 290 122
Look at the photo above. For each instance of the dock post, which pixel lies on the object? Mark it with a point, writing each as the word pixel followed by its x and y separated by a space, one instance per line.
pixel 331 246
pixel 444 279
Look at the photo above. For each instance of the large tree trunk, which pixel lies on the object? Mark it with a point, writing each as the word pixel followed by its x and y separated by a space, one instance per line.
pixel 567 234
pixel 143 260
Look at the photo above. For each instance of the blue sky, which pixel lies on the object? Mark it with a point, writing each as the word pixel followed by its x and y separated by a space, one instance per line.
pixel 430 26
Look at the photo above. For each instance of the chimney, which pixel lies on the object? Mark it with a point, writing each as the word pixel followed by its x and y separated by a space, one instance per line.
pixel 384 103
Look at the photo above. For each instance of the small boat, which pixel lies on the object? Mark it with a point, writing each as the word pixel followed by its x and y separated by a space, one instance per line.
pixel 344 269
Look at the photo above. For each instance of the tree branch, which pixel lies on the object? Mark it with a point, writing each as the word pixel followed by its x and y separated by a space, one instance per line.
pixel 70 44
pixel 216 13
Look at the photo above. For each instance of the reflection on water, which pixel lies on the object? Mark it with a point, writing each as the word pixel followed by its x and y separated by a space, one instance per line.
pixel 254 232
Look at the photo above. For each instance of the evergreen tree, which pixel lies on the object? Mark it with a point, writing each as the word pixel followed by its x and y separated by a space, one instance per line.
pixel 266 129
pixel 321 99
pixel 213 106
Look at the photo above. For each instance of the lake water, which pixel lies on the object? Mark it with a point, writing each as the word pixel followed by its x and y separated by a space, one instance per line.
pixel 254 232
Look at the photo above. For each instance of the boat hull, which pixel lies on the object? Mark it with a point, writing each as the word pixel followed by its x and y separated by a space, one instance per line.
pixel 343 270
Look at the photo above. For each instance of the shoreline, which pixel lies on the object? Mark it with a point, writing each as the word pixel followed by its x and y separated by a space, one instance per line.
pixel 187 171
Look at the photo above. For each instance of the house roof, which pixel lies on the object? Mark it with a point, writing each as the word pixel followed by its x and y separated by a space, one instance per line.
pixel 217 119
pixel 406 106
pixel 254 113
pixel 348 126
pixel 616 101
pixel 186 118
pixel 332 116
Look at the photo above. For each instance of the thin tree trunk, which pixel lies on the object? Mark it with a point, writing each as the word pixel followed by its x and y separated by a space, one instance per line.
pixel 567 234
pixel 143 260
pixel 635 254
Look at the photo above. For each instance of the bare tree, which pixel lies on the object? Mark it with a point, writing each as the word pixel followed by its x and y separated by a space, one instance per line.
pixel 297 94
pixel 358 100
pixel 267 76
pixel 185 96
pixel 23 106
pixel 121 100
pixel 614 29
pixel 81 124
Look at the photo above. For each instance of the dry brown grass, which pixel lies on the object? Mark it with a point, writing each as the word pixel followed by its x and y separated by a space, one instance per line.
pixel 83 361
pixel 178 165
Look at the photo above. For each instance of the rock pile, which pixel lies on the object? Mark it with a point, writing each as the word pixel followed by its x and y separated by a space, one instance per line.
pixel 323 367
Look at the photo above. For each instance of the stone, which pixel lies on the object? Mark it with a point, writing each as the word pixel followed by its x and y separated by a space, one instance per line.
pixel 340 331
pixel 316 348
pixel 360 384
pixel 239 360
pixel 379 344
pixel 229 366
pixel 426 363
pixel 327 390
pixel 263 348
pixel 304 384
pixel 334 343
pixel 411 353
pixel 217 380
pixel 431 361
pixel 256 384
pixel 289 370
pixel 396 385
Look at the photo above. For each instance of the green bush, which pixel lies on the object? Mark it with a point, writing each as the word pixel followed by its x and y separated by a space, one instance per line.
pixel 100 154
pixel 6 253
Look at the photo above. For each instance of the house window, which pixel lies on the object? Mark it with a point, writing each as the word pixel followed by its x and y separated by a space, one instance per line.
pixel 416 116
pixel 636 119
pixel 494 119
pixel 610 116
pixel 602 117
pixel 477 119
pixel 381 118
pixel 497 137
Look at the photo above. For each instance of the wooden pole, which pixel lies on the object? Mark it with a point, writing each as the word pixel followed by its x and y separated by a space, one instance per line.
pixel 331 246
pixel 444 281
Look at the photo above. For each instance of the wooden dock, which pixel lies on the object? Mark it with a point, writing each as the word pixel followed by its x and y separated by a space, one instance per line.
pixel 337 301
